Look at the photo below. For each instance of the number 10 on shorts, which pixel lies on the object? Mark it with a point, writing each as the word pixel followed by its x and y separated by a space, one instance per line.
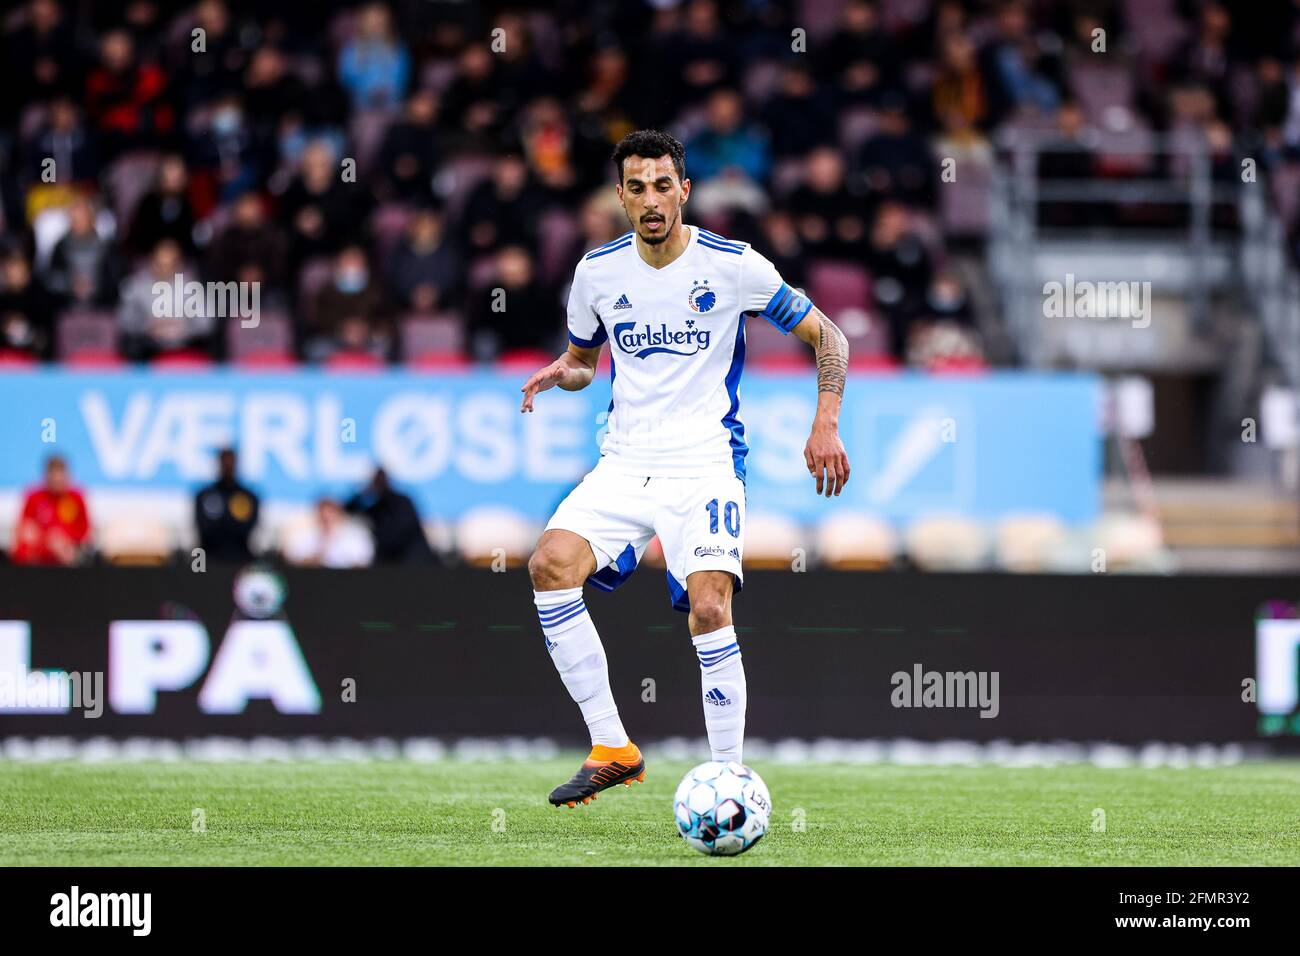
pixel 730 517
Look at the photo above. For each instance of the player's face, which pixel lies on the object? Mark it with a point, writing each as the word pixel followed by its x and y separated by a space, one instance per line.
pixel 652 197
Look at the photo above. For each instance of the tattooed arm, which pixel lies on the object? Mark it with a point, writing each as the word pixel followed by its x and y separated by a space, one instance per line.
pixel 824 454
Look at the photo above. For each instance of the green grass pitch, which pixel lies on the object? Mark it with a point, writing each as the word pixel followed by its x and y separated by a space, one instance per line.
pixel 398 812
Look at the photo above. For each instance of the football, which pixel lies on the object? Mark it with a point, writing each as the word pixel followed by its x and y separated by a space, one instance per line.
pixel 722 809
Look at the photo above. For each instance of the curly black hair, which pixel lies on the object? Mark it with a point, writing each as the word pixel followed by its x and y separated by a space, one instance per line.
pixel 651 144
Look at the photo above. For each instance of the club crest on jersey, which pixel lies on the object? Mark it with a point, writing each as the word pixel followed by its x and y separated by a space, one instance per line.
pixel 702 298
pixel 648 340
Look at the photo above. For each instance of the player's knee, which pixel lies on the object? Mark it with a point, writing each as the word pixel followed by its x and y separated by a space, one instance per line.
pixel 550 569
pixel 709 613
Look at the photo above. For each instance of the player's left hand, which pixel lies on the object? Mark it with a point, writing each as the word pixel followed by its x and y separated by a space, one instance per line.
pixel 827 460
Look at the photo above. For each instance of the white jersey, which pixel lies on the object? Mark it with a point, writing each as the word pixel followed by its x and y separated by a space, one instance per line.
pixel 677 341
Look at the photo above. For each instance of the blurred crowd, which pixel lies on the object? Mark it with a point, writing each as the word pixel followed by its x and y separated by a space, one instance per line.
pixel 381 169
pixel 378 525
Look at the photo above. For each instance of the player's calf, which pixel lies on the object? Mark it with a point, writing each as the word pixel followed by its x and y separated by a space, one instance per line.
pixel 722 681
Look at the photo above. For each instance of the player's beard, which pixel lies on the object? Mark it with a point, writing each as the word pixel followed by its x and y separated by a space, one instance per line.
pixel 668 229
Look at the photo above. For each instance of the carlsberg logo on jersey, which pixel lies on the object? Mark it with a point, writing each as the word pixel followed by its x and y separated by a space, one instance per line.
pixel 649 339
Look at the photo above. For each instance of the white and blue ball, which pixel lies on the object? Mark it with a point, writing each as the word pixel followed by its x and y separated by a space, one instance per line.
pixel 722 809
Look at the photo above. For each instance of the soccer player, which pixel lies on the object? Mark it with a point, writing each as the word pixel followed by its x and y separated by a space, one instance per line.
pixel 671 301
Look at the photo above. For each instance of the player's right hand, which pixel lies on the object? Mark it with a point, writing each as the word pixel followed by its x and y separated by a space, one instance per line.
pixel 549 377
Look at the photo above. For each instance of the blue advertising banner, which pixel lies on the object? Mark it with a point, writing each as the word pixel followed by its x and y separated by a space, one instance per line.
pixel 980 445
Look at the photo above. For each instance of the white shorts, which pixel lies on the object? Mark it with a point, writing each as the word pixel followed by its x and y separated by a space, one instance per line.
pixel 700 522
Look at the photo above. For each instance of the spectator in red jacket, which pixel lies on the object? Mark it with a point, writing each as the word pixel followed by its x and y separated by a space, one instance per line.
pixel 125 99
pixel 54 525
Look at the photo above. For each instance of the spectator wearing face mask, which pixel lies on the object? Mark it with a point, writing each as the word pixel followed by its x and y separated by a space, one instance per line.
pixel 351 312
pixel 228 155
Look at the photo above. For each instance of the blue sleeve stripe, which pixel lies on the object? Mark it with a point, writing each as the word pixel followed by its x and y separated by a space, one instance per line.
pixel 626 235
pixel 709 244
pixel 606 250
pixel 720 239
pixel 599 338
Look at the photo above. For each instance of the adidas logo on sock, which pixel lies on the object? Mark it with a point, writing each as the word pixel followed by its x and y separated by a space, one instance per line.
pixel 717 698
pixel 622 302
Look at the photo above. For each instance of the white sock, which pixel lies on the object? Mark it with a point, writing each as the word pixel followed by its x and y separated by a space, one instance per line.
pixel 722 676
pixel 580 658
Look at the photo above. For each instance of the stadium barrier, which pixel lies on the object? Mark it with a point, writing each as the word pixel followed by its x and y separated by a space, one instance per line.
pixel 457 652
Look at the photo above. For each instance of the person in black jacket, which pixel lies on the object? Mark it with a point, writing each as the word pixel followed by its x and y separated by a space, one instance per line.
pixel 226 513
pixel 394 521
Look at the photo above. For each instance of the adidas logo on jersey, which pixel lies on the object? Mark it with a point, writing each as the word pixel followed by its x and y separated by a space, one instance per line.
pixel 717 698
pixel 622 302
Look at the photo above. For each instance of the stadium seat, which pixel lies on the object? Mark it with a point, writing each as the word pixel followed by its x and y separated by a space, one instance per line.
pixel 488 534
pixel 81 332
pixel 557 232
pixel 866 335
pixel 873 363
pixel 349 361
pixel 766 347
pixel 836 286
pixel 90 359
pixel 1101 84
pixel 947 543
pixel 964 203
pixel 367 130
pixel 456 181
pixel 855 542
pixel 137 539
pixel 267 362
pixel 269 343
pixel 1157 27
pixel 433 341
pixel 127 181
pixel 1129 541
pixel 181 360
pixel 531 359
pixel 11 359
pixel 1029 542
pixel 958 365
pixel 772 540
